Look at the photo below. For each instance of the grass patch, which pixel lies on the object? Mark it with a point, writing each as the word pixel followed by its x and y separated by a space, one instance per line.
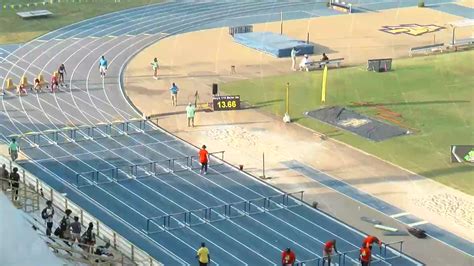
pixel 434 95
pixel 13 29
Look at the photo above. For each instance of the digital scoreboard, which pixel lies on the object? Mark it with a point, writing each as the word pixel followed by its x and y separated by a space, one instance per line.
pixel 226 103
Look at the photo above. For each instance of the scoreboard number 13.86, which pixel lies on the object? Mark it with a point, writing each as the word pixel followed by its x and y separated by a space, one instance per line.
pixel 224 103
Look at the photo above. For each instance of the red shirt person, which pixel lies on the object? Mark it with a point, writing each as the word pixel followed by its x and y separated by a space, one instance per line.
pixel 203 159
pixel 365 255
pixel 328 250
pixel 288 257
pixel 369 240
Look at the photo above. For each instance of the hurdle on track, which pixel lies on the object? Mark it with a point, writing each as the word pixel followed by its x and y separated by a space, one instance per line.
pixel 350 257
pixel 219 213
pixel 73 133
pixel 132 171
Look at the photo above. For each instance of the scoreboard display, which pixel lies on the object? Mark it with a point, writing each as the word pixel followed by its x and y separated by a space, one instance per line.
pixel 226 103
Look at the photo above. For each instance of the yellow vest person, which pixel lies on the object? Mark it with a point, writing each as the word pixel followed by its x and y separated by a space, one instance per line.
pixel 203 255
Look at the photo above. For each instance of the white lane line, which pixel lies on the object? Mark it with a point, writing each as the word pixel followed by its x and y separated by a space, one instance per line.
pixel 399 214
pixel 417 223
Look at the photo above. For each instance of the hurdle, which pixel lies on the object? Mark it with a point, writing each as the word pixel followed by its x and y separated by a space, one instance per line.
pixel 131 126
pixel 201 216
pixel 315 261
pixel 148 169
pixel 398 251
pixel 297 200
pixel 216 213
pixel 95 177
pixel 259 205
pixel 73 133
pixel 178 162
pixel 132 171
pixel 239 212
pixel 164 222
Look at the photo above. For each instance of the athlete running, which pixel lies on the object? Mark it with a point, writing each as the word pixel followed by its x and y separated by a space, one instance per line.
pixel 102 66
pixel 61 72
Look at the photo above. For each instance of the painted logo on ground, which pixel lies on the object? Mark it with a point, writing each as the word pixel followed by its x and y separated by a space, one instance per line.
pixel 353 122
pixel 411 29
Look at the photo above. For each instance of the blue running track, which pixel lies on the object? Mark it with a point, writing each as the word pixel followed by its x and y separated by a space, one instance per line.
pixel 88 141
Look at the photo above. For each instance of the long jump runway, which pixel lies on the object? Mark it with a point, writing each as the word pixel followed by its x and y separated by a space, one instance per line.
pixel 87 141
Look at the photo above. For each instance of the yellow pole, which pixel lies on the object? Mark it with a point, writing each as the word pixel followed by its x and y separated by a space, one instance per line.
pixel 281 22
pixel 323 89
pixel 288 98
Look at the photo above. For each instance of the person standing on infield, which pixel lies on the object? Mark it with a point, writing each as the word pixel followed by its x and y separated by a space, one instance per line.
pixel 203 256
pixel 329 246
pixel 190 112
pixel 155 67
pixel 203 159
pixel 13 149
pixel 293 58
pixel 103 66
pixel 174 94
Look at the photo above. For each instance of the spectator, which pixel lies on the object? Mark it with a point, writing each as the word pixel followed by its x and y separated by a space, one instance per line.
pixel 329 246
pixel 4 177
pixel 288 257
pixel 13 149
pixel 47 214
pixel 293 58
pixel 65 225
pixel 103 251
pixel 54 83
pixel 323 60
pixel 88 238
pixel 365 255
pixel 37 86
pixel 190 112
pixel 203 159
pixel 103 65
pixel 15 181
pixel 76 228
pixel 325 57
pixel 21 90
pixel 61 72
pixel 203 255
pixel 155 67
pixel 174 94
